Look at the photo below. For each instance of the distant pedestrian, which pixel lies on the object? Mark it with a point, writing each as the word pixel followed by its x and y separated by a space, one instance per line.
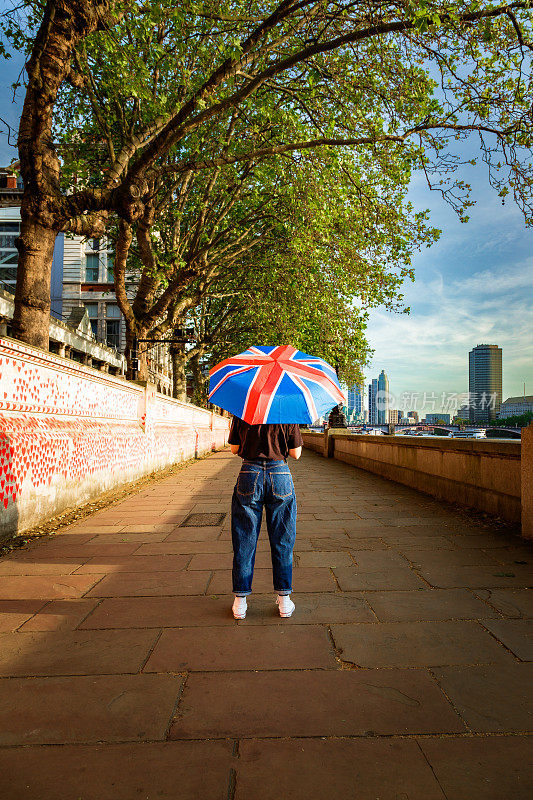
pixel 265 481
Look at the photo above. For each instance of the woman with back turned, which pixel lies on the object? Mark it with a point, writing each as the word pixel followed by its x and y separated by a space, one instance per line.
pixel 265 482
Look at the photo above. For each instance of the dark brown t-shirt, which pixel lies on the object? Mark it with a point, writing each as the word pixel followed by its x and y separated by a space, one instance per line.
pixel 264 441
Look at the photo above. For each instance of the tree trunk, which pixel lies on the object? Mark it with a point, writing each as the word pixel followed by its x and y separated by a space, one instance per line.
pixel 31 320
pixel 135 332
pixel 64 23
pixel 179 379
pixel 199 382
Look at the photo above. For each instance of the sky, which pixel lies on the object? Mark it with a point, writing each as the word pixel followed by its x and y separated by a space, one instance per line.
pixel 475 286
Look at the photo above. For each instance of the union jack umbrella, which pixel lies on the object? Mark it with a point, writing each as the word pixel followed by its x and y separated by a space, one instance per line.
pixel 275 385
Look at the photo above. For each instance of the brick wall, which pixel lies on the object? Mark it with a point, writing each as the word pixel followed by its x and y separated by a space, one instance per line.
pixel 69 433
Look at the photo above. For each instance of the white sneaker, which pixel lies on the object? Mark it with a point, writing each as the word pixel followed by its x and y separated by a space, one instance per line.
pixel 239 607
pixel 285 605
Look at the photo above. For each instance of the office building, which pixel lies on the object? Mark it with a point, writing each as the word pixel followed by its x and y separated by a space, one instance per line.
pixel 81 279
pixel 516 406
pixel 434 419
pixel 485 382
pixel 372 402
pixel 9 230
pixel 395 415
pixel 378 400
pixel 383 398
pixel 414 415
pixel 355 403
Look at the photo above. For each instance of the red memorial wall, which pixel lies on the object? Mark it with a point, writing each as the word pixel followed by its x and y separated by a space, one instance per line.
pixel 69 432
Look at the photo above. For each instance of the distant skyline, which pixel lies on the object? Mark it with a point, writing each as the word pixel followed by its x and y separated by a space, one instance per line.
pixel 475 286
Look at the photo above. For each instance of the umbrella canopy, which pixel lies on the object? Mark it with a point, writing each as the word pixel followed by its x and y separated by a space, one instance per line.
pixel 275 385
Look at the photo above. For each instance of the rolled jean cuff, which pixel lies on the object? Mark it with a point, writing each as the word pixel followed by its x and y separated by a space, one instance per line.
pixel 242 594
pixel 283 592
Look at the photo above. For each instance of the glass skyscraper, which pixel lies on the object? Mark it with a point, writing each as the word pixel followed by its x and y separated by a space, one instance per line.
pixel 378 400
pixel 383 398
pixel 355 402
pixel 485 382
pixel 372 402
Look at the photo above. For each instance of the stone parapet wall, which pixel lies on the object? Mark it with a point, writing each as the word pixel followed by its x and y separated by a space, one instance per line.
pixel 481 474
pixel 314 441
pixel 527 481
pixel 69 433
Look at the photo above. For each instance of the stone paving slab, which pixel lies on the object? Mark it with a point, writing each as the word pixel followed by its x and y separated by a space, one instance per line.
pixel 224 561
pixel 377 561
pixel 242 648
pixel 124 538
pixel 465 557
pixel 184 547
pixel 160 612
pixel 312 703
pixel 515 634
pixel 165 612
pixel 331 559
pixel 114 564
pixel 209 534
pixel 52 566
pixel 509 602
pixel 342 769
pixel 491 698
pixel 53 547
pixel 417 644
pixel 361 547
pixel 162 770
pixel 59 615
pixel 338 538
pixel 342 542
pixel 488 768
pixel 305 579
pixel 146 584
pixel 74 652
pixel 512 556
pixel 77 552
pixel 446 577
pixel 351 579
pixel 30 587
pixel 429 605
pixel 149 527
pixel 486 540
pixel 14 613
pixel 409 542
pixel 313 608
pixel 88 709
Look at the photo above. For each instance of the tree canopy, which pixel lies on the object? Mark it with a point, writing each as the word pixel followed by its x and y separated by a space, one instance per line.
pixel 123 96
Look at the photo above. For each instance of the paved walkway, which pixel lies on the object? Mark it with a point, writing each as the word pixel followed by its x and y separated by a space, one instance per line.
pixel 401 676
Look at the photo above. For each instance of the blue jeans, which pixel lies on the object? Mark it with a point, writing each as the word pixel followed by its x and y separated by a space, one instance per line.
pixel 263 483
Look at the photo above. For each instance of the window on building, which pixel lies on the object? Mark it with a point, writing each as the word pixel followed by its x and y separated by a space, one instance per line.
pixel 112 325
pixel 91 267
pixel 95 244
pixel 92 312
pixel 8 255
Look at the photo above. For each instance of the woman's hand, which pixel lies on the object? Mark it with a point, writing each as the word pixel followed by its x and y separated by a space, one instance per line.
pixel 295 452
